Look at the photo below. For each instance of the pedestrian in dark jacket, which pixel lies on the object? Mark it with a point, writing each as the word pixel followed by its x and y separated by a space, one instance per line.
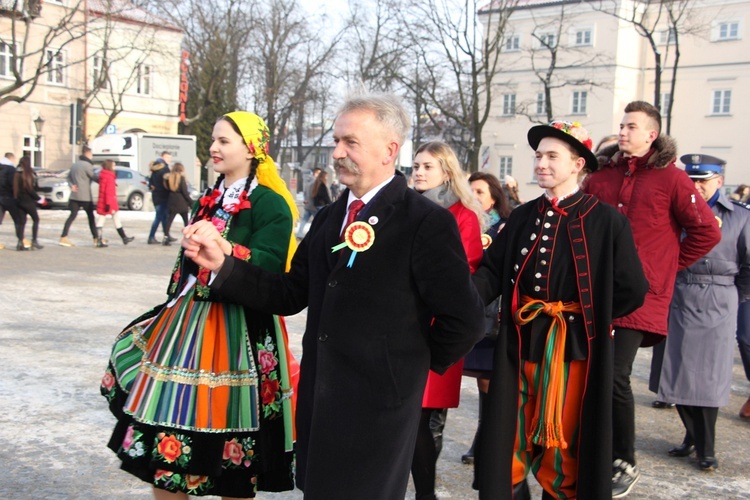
pixel 24 191
pixel 389 302
pixel 80 177
pixel 160 197
pixel 320 195
pixel 564 265
pixel 672 227
pixel 7 201
pixel 179 197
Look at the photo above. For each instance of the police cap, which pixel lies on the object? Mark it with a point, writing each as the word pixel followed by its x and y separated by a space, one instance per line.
pixel 700 166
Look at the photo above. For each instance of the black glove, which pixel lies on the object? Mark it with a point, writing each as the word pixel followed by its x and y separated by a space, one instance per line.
pixel 106 208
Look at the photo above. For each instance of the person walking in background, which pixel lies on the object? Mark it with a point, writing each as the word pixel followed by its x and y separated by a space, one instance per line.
pixel 672 227
pixel 201 386
pixel 179 197
pixel 389 302
pixel 564 265
pixel 696 373
pixel 24 191
pixel 107 204
pixel 320 195
pixel 309 207
pixel 511 192
pixel 438 176
pixel 80 177
pixel 160 198
pixel 478 363
pixel 742 193
pixel 7 201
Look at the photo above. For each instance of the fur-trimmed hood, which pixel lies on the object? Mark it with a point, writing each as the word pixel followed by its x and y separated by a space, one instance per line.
pixel 665 154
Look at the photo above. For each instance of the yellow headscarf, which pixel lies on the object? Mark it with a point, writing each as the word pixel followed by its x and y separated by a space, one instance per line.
pixel 255 133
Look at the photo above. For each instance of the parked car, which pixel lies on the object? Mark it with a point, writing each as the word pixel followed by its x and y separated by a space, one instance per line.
pixel 132 188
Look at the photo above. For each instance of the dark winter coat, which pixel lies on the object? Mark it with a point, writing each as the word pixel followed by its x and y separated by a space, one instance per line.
pixel 661 203
pixel 179 200
pixel 159 193
pixel 610 283
pixel 373 330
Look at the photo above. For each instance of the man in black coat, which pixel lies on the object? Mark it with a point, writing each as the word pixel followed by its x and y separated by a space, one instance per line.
pixel 564 264
pixel 7 201
pixel 377 318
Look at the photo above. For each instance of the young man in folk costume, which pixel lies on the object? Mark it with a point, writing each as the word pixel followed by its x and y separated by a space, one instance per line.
pixel 565 265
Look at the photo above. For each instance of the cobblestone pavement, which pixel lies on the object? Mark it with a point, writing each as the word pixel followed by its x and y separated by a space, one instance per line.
pixel 60 309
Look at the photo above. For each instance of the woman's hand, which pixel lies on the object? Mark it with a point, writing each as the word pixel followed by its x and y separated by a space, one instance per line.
pixel 203 243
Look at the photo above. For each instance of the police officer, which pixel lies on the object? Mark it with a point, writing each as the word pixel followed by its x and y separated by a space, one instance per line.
pixel 697 369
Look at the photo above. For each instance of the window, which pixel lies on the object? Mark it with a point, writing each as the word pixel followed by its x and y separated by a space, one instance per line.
pixel 579 102
pixel 123 174
pixel 143 84
pixel 506 166
pixel 729 30
pixel 547 40
pixel 512 43
pixel 668 36
pixel 721 102
pixel 509 104
pixel 33 150
pixel 99 72
pixel 6 70
pixel 582 37
pixel 541 104
pixel 56 64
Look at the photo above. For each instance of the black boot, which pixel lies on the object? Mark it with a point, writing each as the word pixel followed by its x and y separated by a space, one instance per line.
pixel 125 238
pixel 35 245
pixel 99 242
pixel 21 247
pixel 521 491
pixel 437 424
pixel 468 457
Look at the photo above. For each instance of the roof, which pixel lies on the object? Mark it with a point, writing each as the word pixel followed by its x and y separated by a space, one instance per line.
pixel 525 4
pixel 126 11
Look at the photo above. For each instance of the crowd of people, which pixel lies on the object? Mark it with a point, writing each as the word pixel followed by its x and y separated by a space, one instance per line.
pixel 408 288
pixel 19 197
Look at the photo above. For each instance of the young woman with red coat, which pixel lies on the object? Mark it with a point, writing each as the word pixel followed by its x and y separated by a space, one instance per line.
pixel 107 204
pixel 438 176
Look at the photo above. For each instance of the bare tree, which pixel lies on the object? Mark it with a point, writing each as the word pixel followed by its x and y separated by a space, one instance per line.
pixel 551 62
pixel 649 17
pixel 124 38
pixel 35 45
pixel 458 65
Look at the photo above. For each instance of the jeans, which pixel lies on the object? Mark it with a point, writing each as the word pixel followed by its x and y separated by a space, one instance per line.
pixel 162 210
pixel 627 342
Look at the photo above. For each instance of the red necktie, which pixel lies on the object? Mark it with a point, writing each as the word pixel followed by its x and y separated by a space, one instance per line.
pixel 354 209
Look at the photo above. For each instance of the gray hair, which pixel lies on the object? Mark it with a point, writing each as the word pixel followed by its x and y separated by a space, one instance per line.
pixel 387 109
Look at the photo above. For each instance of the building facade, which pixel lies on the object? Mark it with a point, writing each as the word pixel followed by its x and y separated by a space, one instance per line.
pixel 95 60
pixel 602 63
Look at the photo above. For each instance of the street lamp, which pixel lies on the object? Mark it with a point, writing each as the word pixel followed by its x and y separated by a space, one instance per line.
pixel 38 124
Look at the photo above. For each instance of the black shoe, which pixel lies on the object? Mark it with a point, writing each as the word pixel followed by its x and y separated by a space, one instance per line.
pixel 21 247
pixel 166 242
pixel 684 450
pixel 170 239
pixel 661 405
pixel 35 245
pixel 624 477
pixel 154 241
pixel 127 239
pixel 708 464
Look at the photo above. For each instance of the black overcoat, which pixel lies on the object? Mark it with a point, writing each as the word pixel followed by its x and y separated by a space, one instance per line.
pixel 610 284
pixel 373 330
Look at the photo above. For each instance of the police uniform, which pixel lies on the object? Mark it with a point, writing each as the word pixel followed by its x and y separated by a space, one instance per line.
pixel 697 370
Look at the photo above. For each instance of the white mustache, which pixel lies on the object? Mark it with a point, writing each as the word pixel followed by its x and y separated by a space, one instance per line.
pixel 346 164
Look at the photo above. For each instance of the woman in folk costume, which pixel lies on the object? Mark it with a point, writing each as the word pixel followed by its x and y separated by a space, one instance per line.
pixel 438 176
pixel 201 388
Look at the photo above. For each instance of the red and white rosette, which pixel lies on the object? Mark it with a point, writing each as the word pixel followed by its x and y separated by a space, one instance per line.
pixel 486 241
pixel 358 236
